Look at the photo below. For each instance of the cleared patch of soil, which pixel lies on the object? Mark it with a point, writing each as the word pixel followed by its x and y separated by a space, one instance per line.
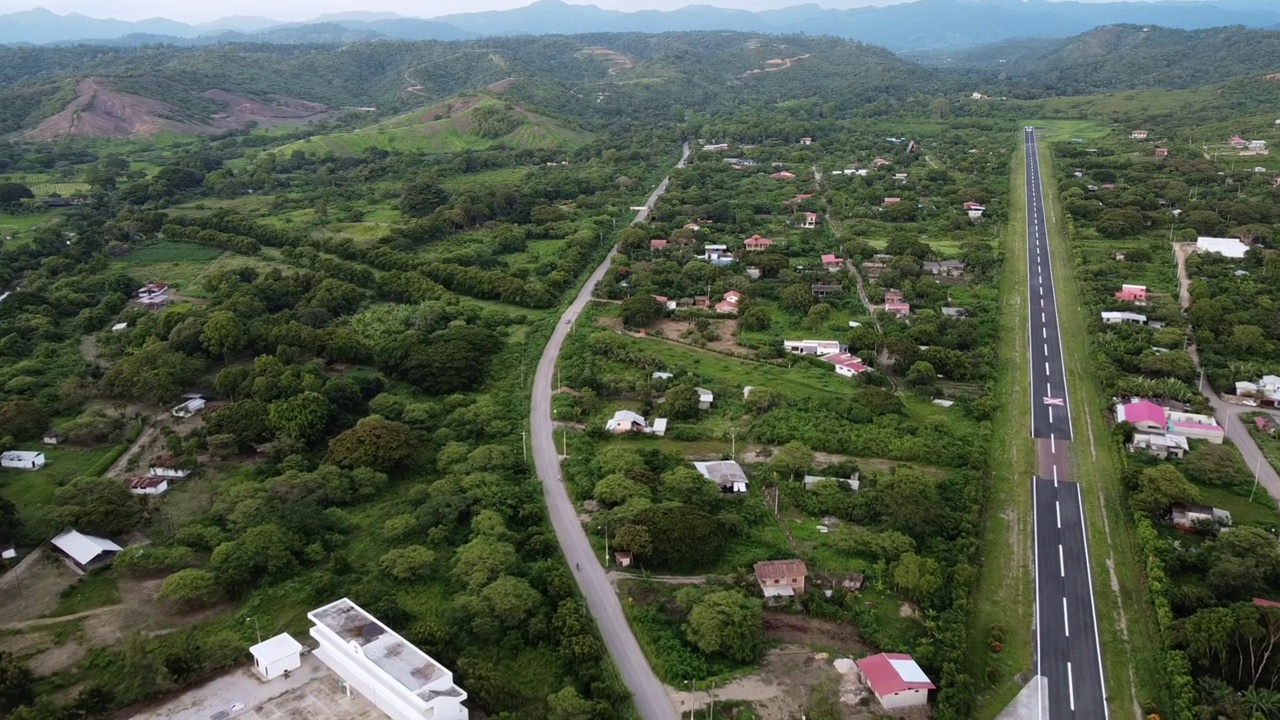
pixel 58 657
pixel 616 60
pixel 812 632
pixel 100 111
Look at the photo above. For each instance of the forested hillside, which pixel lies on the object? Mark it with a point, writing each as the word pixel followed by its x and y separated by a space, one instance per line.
pixel 637 77
pixel 1119 57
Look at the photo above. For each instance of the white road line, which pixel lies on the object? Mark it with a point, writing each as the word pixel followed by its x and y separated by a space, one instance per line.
pixel 1046 367
pixel 1042 290
pixel 1071 688
pixel 1053 448
pixel 1057 510
pixel 1044 333
pixel 1042 314
pixel 1055 476
pixel 1050 421
pixel 1093 610
pixel 1062 571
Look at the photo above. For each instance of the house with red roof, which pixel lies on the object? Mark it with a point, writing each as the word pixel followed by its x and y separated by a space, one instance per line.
pixel 781 578
pixel 831 262
pixel 755 243
pixel 1162 152
pixel 846 364
pixel 880 161
pixel 729 304
pixel 783 175
pixel 1237 142
pixel 799 198
pixel 1108 186
pixel 892 200
pixel 810 221
pixel 1263 602
pixel 1142 414
pixel 1138 134
pixel 894 305
pixel 659 244
pixel 1136 294
pixel 806 141
pixel 895 679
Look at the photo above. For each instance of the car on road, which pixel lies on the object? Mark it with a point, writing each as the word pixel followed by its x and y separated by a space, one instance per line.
pixel 236 707
pixel 568 321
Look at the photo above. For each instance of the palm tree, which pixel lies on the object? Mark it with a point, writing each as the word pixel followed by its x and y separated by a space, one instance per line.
pixel 1261 702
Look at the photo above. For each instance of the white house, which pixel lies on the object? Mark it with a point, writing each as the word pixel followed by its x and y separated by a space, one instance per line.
pixel 1162 445
pixel 659 375
pixel 1117 318
pixel 854 483
pixel 1227 247
pixel 895 679
pixel 705 398
pixel 22 460
pixel 276 656
pixel 659 427
pixel 390 672
pixel 625 421
pixel 726 474
pixel 168 468
pixel 8 552
pixel 188 408
pixel 1195 426
pixel 846 364
pixel 82 550
pixel 119 327
pixel 812 347
pixel 148 485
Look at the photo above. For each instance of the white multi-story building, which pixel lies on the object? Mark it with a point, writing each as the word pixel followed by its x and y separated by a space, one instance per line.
pixel 389 671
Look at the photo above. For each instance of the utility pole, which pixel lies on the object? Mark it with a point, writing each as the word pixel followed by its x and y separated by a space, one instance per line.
pixel 564 443
pixel 1257 467
pixel 606 545
pixel 524 446
pixel 733 439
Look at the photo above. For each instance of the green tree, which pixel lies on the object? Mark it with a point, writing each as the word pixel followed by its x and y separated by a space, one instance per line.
pixel 793 459
pixel 922 376
pixel 484 560
pixel 687 486
pixel 512 600
pixel 17 683
pixel 907 501
pixel 22 419
pixel 422 197
pixel 641 310
pixel 374 442
pixel 14 193
pixel 1118 222
pixel 1246 561
pixel 917 577
pixel 727 623
pixel 302 417
pixel 97 505
pixel 634 539
pixel 245 420
pixel 223 335
pixel 817 316
pixel 1159 487
pixel 407 563
pixel 756 318
pixel 154 374
pixel 797 298
pixel 617 489
pixel 190 588
pixel 682 402
pixel 1216 465
pixel 567 704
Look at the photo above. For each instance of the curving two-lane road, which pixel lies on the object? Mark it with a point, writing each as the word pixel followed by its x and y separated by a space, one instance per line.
pixel 650 696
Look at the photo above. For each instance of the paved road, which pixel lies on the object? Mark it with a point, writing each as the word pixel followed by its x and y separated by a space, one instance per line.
pixel 650 697
pixel 1228 415
pixel 1068 653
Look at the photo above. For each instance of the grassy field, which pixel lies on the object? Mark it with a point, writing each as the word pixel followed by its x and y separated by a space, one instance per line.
pixel 1125 616
pixel 1004 594
pixel 482 180
pixel 183 265
pixel 1066 130
pixel 97 589
pixel 63 189
pixel 1259 513
pixel 14 227
pixel 413 133
pixel 32 491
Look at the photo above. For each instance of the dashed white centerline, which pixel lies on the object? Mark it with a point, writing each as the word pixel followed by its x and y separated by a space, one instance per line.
pixel 1062 571
pixel 1071 688
pixel 1046 367
pixel 1057 510
pixel 1044 333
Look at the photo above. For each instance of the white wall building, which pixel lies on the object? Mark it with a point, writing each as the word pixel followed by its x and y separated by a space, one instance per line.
pixel 1228 247
pixel 1117 318
pixel 188 408
pixel 705 398
pixel 168 472
pixel 895 679
pixel 148 485
pixel 22 460
pixel 276 656
pixel 393 675
pixel 811 347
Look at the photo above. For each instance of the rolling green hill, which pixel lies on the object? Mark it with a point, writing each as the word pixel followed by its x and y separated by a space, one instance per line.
pixel 1121 57
pixel 466 122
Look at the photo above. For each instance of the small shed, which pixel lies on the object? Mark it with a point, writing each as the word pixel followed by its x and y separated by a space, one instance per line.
pixel 276 656
pixel 8 552
pixel 623 558
pixel 51 438
pixel 148 485
pixel 705 398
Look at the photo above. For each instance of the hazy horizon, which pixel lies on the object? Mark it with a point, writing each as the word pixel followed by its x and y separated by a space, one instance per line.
pixel 303 10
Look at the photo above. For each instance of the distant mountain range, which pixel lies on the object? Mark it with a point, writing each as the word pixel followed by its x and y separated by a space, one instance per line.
pixel 912 26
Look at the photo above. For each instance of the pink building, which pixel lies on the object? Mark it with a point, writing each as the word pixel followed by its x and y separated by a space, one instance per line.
pixel 783 175
pixel 756 243
pixel 658 244
pixel 1133 293
pixel 847 364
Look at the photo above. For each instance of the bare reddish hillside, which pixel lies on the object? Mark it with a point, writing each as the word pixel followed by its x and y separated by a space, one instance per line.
pixel 103 112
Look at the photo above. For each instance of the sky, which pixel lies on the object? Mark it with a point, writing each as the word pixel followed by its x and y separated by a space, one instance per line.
pixel 295 10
